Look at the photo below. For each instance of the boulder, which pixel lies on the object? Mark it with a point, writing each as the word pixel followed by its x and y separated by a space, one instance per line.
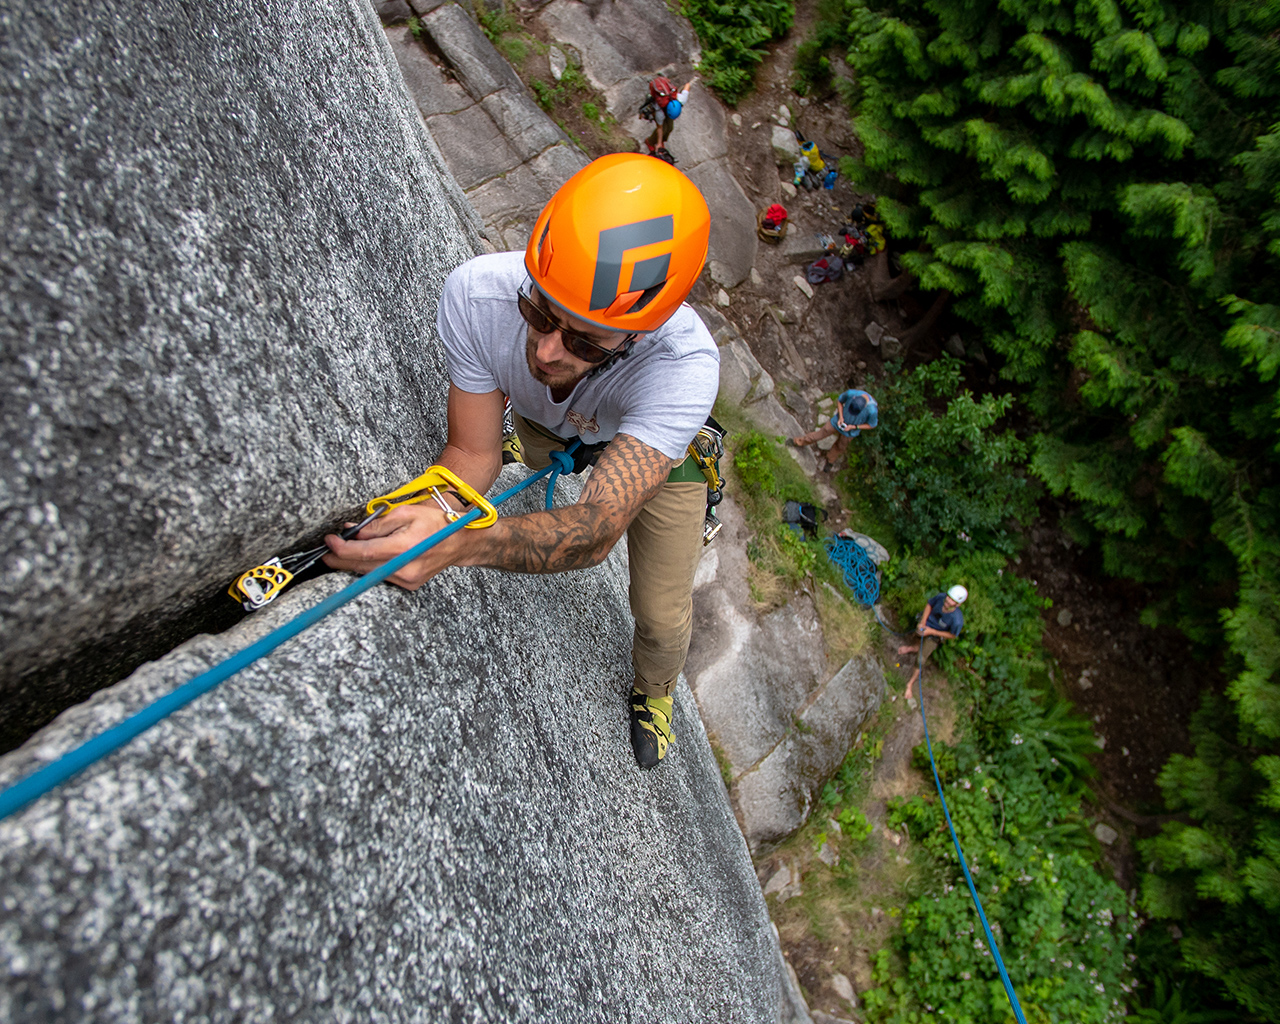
pixel 392 11
pixel 742 379
pixel 775 796
pixel 623 46
pixel 226 233
pixel 732 251
pixel 786 148
pixel 480 68
pixel 213 315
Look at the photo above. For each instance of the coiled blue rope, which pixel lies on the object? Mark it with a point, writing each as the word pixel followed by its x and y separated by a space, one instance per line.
pixel 861 575
pixel 40 782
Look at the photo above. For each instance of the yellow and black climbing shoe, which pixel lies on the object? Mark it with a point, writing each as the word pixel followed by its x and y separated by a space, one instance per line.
pixel 650 728
pixel 511 450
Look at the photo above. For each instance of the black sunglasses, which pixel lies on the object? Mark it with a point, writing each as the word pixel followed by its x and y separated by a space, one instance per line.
pixel 575 344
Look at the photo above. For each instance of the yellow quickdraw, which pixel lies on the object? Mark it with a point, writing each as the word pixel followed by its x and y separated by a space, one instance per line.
pixel 430 485
pixel 263 583
pixel 707 448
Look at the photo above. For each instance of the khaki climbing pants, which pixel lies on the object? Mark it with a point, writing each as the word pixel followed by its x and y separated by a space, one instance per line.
pixel 668 126
pixel 664 543
pixel 826 430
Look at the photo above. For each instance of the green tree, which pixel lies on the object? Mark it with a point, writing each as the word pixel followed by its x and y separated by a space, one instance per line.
pixel 1099 184
pixel 947 477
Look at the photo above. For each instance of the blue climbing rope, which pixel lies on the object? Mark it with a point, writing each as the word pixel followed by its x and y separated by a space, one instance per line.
pixel 40 782
pixel 561 462
pixel 861 574
pixel 964 865
pixel 946 813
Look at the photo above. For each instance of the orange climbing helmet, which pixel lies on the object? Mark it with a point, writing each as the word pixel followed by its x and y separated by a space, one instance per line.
pixel 621 243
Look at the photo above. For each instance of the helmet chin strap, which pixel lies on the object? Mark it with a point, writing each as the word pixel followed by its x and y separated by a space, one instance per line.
pixel 621 352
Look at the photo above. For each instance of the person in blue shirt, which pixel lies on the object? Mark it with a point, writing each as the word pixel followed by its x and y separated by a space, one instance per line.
pixel 856 411
pixel 941 620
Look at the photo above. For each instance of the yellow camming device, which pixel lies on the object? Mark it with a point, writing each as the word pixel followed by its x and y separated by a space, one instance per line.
pixel 263 583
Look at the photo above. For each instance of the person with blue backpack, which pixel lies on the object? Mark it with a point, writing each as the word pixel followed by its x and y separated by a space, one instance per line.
pixel 663 106
pixel 855 411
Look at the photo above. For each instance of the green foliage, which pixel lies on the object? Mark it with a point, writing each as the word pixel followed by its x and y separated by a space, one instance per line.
pixel 733 38
pixel 495 19
pixel 765 478
pixel 513 48
pixel 947 476
pixel 811 69
pixel 1216 875
pixel 756 461
pixel 590 111
pixel 550 94
pixel 1099 185
pixel 1014 781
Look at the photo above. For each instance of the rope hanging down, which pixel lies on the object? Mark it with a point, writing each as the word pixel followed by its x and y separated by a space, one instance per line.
pixel 946 813
pixel 861 577
pixel 40 782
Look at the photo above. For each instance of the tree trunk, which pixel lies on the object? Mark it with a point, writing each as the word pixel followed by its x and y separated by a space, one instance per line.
pixel 925 324
pixel 883 287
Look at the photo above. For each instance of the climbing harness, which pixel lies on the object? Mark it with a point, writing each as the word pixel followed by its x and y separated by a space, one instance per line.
pixel 707 449
pixel 861 574
pixel 40 782
pixel 262 584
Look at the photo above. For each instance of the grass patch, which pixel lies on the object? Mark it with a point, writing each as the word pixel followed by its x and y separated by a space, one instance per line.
pixel 513 48
pixel 722 759
pixel 847 629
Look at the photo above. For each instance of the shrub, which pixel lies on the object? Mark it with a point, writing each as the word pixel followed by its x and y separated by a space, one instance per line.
pixel 733 38
pixel 948 478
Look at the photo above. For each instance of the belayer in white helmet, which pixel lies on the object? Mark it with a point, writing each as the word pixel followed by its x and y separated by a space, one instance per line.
pixel 940 620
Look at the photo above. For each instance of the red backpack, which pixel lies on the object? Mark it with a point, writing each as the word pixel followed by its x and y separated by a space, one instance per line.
pixel 662 91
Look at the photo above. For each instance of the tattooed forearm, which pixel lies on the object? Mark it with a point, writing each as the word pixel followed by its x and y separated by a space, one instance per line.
pixel 628 474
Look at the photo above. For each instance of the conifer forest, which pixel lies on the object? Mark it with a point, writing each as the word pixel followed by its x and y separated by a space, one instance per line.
pixel 1094 189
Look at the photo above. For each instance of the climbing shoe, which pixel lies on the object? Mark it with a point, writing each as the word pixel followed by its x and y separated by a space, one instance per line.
pixel 511 450
pixel 650 728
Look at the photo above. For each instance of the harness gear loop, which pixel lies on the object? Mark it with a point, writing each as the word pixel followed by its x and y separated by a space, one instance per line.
pixel 428 485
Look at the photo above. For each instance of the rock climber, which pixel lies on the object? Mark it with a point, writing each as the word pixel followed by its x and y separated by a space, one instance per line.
pixel 664 105
pixel 941 620
pixel 587 332
pixel 855 410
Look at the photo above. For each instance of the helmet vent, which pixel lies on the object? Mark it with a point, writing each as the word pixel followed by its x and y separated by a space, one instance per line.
pixel 544 250
pixel 647 296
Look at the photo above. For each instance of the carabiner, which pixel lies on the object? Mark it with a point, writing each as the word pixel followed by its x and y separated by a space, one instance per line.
pixel 428 485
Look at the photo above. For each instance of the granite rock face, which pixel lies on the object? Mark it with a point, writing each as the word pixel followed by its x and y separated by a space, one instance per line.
pixel 225 232
pixel 507 154
pixel 424 808
pixel 781 719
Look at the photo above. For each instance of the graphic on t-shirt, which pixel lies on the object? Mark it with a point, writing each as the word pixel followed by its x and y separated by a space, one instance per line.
pixel 584 425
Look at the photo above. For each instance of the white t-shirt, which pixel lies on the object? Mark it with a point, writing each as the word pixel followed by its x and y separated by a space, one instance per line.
pixel 660 394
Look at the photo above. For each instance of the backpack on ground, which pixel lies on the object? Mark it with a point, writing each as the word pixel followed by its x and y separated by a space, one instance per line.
pixel 803 516
pixel 828 268
pixel 771 224
pixel 810 150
